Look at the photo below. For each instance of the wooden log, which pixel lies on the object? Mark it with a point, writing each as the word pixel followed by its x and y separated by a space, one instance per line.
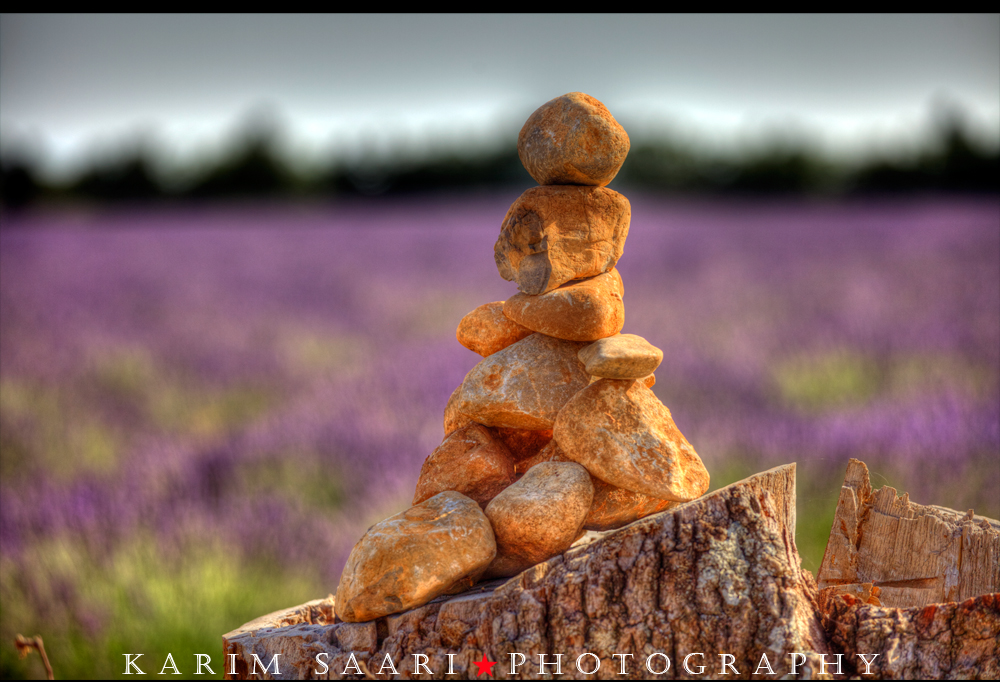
pixel 914 554
pixel 717 576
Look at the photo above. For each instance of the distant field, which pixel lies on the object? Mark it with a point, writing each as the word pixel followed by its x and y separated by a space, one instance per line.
pixel 202 410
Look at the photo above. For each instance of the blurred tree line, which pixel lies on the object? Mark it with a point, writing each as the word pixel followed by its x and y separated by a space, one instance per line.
pixel 253 168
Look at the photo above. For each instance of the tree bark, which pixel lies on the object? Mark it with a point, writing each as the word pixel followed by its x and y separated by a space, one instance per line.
pixel 719 575
pixel 935 642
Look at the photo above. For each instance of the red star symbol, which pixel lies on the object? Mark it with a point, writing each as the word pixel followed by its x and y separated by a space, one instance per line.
pixel 485 666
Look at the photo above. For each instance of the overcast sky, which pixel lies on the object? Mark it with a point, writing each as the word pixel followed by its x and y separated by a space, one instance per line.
pixel 347 83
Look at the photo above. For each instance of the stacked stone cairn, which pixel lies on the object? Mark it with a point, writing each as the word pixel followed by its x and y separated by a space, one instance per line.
pixel 556 430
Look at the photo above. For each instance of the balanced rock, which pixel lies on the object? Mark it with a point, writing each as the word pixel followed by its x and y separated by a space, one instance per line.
pixel 539 516
pixel 525 385
pixel 623 434
pixel 649 380
pixel 522 443
pixel 408 559
pixel 612 507
pixel 470 461
pixel 486 329
pixel 623 356
pixel 580 310
pixel 551 235
pixel 572 140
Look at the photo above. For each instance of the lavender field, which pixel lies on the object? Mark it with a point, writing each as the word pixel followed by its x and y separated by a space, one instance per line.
pixel 201 410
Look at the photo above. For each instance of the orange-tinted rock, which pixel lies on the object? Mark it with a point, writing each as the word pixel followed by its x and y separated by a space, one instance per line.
pixel 539 516
pixel 580 310
pixel 408 559
pixel 623 434
pixel 649 380
pixel 551 235
pixel 623 356
pixel 470 461
pixel 486 329
pixel 521 443
pixel 453 419
pixel 616 507
pixel 549 453
pixel 525 385
pixel 572 140
pixel 612 507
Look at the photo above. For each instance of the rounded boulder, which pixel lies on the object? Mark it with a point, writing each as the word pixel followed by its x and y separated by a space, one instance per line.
pixel 572 140
pixel 408 559
pixel 539 517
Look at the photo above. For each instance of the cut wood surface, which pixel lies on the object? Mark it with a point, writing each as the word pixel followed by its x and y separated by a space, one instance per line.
pixel 914 554
pixel 718 575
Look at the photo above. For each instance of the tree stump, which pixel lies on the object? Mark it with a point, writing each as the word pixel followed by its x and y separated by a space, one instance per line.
pixel 712 582
pixel 717 576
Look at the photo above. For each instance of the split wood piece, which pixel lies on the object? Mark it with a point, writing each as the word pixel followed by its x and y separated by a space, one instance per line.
pixel 553 234
pixel 915 554
pixel 487 330
pixel 719 575
pixel 580 310
pixel 954 641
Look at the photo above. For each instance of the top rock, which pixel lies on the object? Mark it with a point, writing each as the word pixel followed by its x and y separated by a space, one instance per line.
pixel 572 140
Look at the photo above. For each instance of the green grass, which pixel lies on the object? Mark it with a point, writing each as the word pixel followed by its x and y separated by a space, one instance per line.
pixel 844 378
pixel 139 600
pixel 86 426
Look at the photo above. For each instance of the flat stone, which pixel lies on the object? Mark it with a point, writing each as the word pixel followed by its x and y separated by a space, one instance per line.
pixel 649 380
pixel 580 310
pixel 408 559
pixel 623 356
pixel 470 461
pixel 486 329
pixel 612 507
pixel 572 140
pixel 551 235
pixel 525 385
pixel 539 516
pixel 623 434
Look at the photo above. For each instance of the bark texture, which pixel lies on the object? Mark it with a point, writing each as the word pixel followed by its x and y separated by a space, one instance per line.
pixel 718 575
pixel 915 554
pixel 934 642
